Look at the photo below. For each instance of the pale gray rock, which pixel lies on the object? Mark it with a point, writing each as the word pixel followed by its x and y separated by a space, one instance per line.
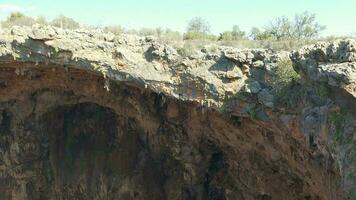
pixel 230 80
pixel 266 98
pixel 258 64
pixel 235 55
pixel 253 87
pixel 234 73
pixel 333 63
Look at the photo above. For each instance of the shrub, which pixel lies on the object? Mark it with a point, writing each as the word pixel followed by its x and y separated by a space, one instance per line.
pixel 41 20
pixel 65 22
pixel 257 34
pixel 284 74
pixel 235 34
pixel 17 18
pixel 337 120
pixel 199 36
pixel 198 29
pixel 323 91
pixel 191 47
pixel 114 29
pixel 285 83
pixel 147 32
pixel 303 26
pixel 170 37
pixel 187 49
pixel 280 28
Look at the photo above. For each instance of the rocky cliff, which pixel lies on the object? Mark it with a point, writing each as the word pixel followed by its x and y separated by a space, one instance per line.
pixel 91 115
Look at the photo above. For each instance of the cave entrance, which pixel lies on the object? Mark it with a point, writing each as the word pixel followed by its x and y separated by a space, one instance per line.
pixel 81 136
pixel 92 150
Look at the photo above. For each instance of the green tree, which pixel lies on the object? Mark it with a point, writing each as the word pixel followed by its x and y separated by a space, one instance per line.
pixel 235 34
pixel 305 26
pixel 257 34
pixel 15 16
pixel 198 25
pixel 254 33
pixel 65 22
pixel 280 28
pixel 198 29
pixel 19 19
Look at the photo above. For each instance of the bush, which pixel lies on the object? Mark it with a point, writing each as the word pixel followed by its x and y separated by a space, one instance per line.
pixel 235 34
pixel 198 29
pixel 114 29
pixel 303 26
pixel 257 34
pixel 285 84
pixel 170 37
pixel 65 22
pixel 187 49
pixel 284 74
pixel 190 47
pixel 41 20
pixel 337 120
pixel 198 25
pixel 19 19
pixel 147 32
pixel 199 36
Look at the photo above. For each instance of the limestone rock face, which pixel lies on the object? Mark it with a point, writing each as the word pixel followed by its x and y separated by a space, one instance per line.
pixel 333 63
pixel 86 114
pixel 331 69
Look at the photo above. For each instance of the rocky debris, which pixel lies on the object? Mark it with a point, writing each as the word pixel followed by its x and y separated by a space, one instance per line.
pixel 235 73
pixel 238 56
pixel 258 64
pixel 166 126
pixel 335 52
pixel 158 51
pixel 333 63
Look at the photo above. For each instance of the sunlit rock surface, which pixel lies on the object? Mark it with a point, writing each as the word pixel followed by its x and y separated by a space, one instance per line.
pixel 91 115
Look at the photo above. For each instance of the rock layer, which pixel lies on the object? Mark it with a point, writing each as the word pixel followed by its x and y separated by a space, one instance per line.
pixel 90 115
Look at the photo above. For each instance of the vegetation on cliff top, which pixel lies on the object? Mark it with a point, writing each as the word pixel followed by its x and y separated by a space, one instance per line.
pixel 281 33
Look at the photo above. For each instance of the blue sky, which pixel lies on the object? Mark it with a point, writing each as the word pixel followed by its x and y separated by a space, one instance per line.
pixel 338 15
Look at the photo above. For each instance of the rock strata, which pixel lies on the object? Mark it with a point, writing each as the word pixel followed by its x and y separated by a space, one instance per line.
pixel 86 114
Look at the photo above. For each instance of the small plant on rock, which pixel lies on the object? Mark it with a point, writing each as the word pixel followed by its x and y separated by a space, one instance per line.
pixel 284 80
pixel 337 119
pixel 284 74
